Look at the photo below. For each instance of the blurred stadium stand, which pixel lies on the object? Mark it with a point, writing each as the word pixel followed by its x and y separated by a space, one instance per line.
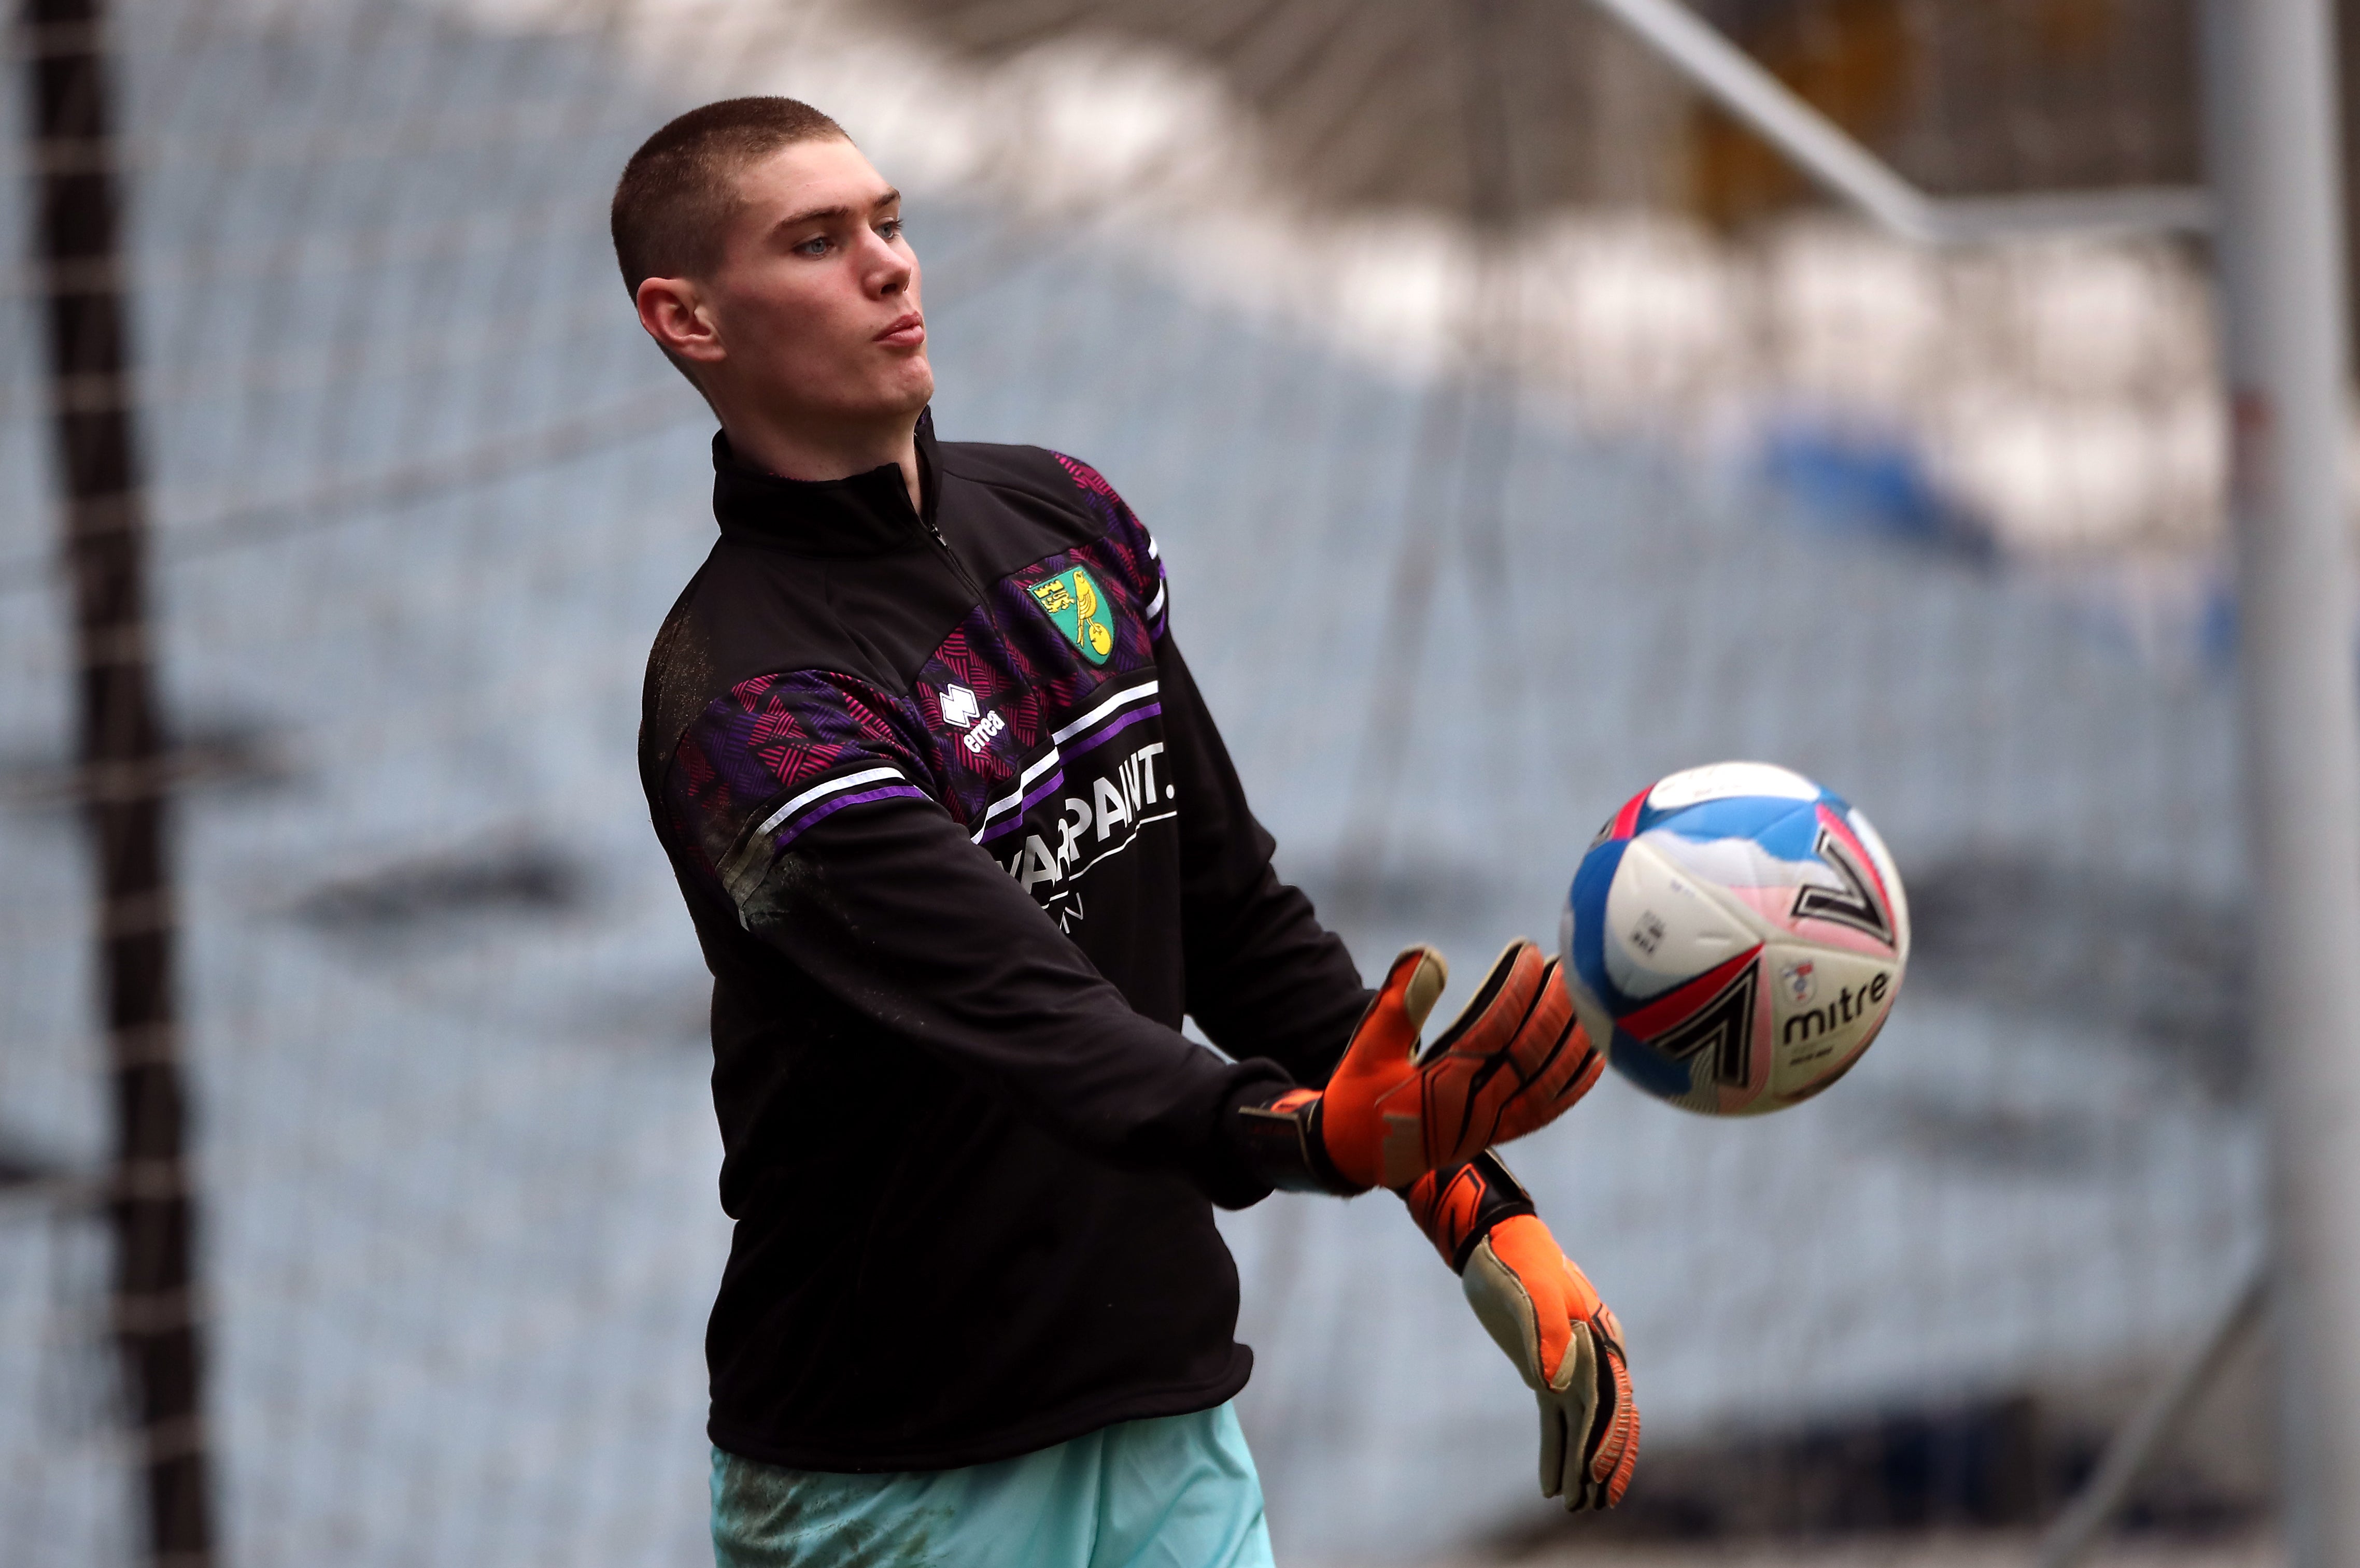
pixel 1702 473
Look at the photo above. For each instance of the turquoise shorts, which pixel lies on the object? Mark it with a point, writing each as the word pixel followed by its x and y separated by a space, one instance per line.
pixel 1174 1492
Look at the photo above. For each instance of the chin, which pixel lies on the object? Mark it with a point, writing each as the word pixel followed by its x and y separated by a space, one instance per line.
pixel 914 393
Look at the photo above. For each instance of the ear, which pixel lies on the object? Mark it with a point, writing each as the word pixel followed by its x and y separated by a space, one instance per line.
pixel 674 312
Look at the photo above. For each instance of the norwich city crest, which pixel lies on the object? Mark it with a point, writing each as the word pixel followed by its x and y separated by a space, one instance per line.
pixel 1081 612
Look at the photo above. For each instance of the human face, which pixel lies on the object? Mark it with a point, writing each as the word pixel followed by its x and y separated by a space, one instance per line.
pixel 814 308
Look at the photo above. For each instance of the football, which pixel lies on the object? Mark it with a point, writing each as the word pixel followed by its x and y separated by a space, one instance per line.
pixel 1736 938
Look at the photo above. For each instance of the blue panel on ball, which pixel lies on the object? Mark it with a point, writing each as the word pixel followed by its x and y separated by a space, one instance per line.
pixel 1591 879
pixel 1664 1079
pixel 1786 829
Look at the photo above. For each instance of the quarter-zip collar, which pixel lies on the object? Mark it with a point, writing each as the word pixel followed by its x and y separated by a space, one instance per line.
pixel 869 514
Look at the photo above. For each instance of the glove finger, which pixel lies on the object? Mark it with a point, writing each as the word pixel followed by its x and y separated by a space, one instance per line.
pixel 1556 1481
pixel 1581 1496
pixel 1470 1071
pixel 1425 972
pixel 1611 1451
pixel 1411 987
pixel 1584 1062
pixel 1372 1135
pixel 1555 1062
pixel 1576 1391
pixel 1491 1017
pixel 1617 1454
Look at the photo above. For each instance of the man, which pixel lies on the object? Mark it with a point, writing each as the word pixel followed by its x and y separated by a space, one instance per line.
pixel 962 846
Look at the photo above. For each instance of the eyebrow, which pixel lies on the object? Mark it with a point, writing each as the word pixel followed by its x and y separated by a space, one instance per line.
pixel 813 215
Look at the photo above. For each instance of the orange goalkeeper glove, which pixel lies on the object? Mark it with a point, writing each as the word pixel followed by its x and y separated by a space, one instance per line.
pixel 1514 1061
pixel 1542 1311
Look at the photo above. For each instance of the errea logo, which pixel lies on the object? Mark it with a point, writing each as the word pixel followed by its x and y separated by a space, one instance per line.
pixel 962 710
pixel 975 739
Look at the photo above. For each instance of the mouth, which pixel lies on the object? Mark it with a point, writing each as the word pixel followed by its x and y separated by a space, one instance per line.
pixel 906 332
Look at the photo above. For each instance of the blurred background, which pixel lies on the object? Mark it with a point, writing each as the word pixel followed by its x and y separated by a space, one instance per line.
pixel 1517 428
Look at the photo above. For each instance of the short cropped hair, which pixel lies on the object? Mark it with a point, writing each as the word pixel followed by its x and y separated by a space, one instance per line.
pixel 676 195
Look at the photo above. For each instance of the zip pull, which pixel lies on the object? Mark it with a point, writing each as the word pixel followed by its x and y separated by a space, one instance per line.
pixel 956 564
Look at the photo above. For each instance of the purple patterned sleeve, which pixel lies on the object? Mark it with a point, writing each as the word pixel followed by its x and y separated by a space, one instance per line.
pixel 779 753
pixel 1127 539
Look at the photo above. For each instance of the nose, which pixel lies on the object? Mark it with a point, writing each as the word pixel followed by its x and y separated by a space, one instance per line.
pixel 892 269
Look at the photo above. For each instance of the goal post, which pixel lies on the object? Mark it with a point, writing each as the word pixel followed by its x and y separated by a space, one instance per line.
pixel 2272 130
pixel 2275 210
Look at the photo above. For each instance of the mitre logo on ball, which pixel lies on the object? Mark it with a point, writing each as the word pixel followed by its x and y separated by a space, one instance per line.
pixel 1735 936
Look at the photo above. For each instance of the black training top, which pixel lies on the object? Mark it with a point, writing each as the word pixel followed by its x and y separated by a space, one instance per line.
pixel 962 845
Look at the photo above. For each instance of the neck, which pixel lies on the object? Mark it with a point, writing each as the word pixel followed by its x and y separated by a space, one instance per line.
pixel 805 449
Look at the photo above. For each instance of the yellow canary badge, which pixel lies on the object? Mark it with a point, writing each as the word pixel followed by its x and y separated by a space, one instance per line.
pixel 1079 610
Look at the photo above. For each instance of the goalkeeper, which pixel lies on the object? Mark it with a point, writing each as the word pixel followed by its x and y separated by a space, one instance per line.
pixel 962 846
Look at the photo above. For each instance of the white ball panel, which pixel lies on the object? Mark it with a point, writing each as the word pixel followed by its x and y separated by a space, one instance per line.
pixel 1733 863
pixel 1885 869
pixel 1663 927
pixel 1722 780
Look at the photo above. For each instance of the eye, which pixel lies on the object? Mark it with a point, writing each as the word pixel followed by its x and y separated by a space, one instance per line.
pixel 889 230
pixel 816 246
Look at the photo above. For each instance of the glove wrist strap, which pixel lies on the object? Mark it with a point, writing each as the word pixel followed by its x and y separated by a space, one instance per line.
pixel 1457 1205
pixel 1283 1142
